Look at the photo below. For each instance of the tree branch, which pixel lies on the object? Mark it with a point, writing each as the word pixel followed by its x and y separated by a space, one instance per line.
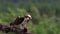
pixel 7 29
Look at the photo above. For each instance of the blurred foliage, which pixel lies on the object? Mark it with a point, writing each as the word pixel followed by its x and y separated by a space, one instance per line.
pixel 45 14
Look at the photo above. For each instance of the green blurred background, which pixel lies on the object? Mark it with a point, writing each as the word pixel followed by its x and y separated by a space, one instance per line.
pixel 45 14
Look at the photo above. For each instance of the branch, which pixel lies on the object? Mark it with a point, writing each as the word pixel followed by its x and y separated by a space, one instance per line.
pixel 7 29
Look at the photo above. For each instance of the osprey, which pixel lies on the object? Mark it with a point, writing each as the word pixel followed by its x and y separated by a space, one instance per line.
pixel 21 20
